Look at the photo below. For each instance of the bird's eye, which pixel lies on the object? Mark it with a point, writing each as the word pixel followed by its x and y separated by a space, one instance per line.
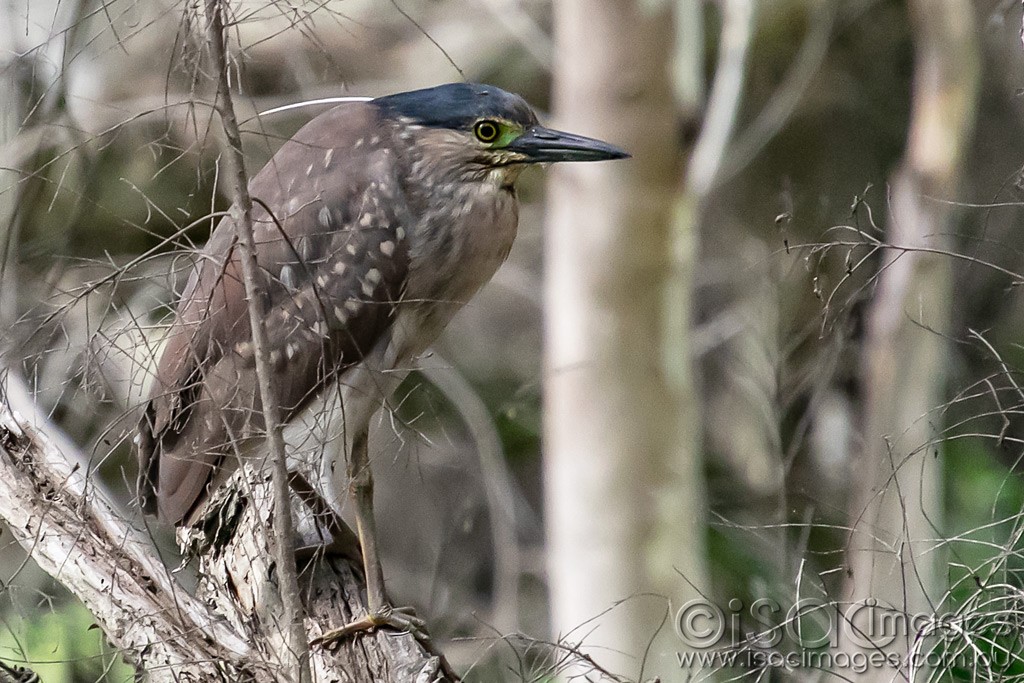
pixel 486 131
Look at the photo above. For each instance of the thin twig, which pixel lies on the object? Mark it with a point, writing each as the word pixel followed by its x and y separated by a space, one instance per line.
pixel 294 626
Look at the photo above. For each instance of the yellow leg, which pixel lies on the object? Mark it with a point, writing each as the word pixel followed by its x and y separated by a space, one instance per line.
pixel 361 478
pixel 380 612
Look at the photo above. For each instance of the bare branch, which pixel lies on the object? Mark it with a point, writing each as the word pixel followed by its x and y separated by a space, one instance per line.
pixel 296 641
pixel 238 573
pixel 112 569
pixel 726 93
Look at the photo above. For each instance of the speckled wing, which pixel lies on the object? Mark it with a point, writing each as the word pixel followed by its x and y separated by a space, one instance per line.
pixel 330 227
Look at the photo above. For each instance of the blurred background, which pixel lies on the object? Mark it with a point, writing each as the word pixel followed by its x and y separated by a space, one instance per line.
pixel 775 356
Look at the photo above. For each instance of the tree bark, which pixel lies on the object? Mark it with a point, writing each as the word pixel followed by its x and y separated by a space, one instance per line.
pixel 57 514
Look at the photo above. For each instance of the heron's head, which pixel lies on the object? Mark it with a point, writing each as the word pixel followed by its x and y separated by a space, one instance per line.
pixel 481 131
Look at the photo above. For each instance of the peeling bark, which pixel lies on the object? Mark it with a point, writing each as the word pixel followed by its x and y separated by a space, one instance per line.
pixel 61 519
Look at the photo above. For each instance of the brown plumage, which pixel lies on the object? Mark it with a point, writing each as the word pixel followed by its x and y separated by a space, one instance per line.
pixel 333 260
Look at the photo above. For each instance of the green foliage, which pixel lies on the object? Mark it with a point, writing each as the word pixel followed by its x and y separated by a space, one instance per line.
pixel 985 500
pixel 517 416
pixel 62 645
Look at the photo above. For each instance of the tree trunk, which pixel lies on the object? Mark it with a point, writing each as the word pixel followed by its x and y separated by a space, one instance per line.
pixel 896 513
pixel 624 494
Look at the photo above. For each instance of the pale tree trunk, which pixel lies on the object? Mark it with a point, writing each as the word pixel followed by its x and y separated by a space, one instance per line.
pixel 624 483
pixel 896 511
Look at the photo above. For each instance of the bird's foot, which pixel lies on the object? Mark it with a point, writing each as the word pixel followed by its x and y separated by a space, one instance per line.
pixel 401 619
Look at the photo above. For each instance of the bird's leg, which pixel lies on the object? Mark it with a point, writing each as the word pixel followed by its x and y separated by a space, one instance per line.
pixel 380 612
pixel 361 478
pixel 344 541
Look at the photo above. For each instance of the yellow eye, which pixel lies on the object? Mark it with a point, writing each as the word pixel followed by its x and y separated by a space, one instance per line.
pixel 486 131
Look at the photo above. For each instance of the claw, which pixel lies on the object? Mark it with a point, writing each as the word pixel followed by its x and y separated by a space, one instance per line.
pixel 402 619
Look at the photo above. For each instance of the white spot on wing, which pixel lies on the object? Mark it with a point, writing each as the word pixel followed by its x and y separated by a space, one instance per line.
pixel 387 247
pixel 324 217
pixel 244 349
pixel 288 277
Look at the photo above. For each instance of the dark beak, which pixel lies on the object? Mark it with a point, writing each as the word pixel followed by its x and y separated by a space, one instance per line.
pixel 541 144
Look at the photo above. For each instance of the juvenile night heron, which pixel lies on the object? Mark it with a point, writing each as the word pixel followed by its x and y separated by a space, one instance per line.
pixel 373 225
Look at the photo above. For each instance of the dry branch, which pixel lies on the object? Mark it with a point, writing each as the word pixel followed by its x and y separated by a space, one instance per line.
pixel 62 521
pixel 294 652
pixel 57 515
pixel 239 577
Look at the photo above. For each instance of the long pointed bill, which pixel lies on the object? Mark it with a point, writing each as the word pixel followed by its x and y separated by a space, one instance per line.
pixel 541 144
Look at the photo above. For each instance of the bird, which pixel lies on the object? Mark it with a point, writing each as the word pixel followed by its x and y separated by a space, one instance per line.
pixel 373 225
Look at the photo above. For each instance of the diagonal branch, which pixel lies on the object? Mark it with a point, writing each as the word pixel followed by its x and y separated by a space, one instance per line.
pixel 64 521
pixel 75 536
